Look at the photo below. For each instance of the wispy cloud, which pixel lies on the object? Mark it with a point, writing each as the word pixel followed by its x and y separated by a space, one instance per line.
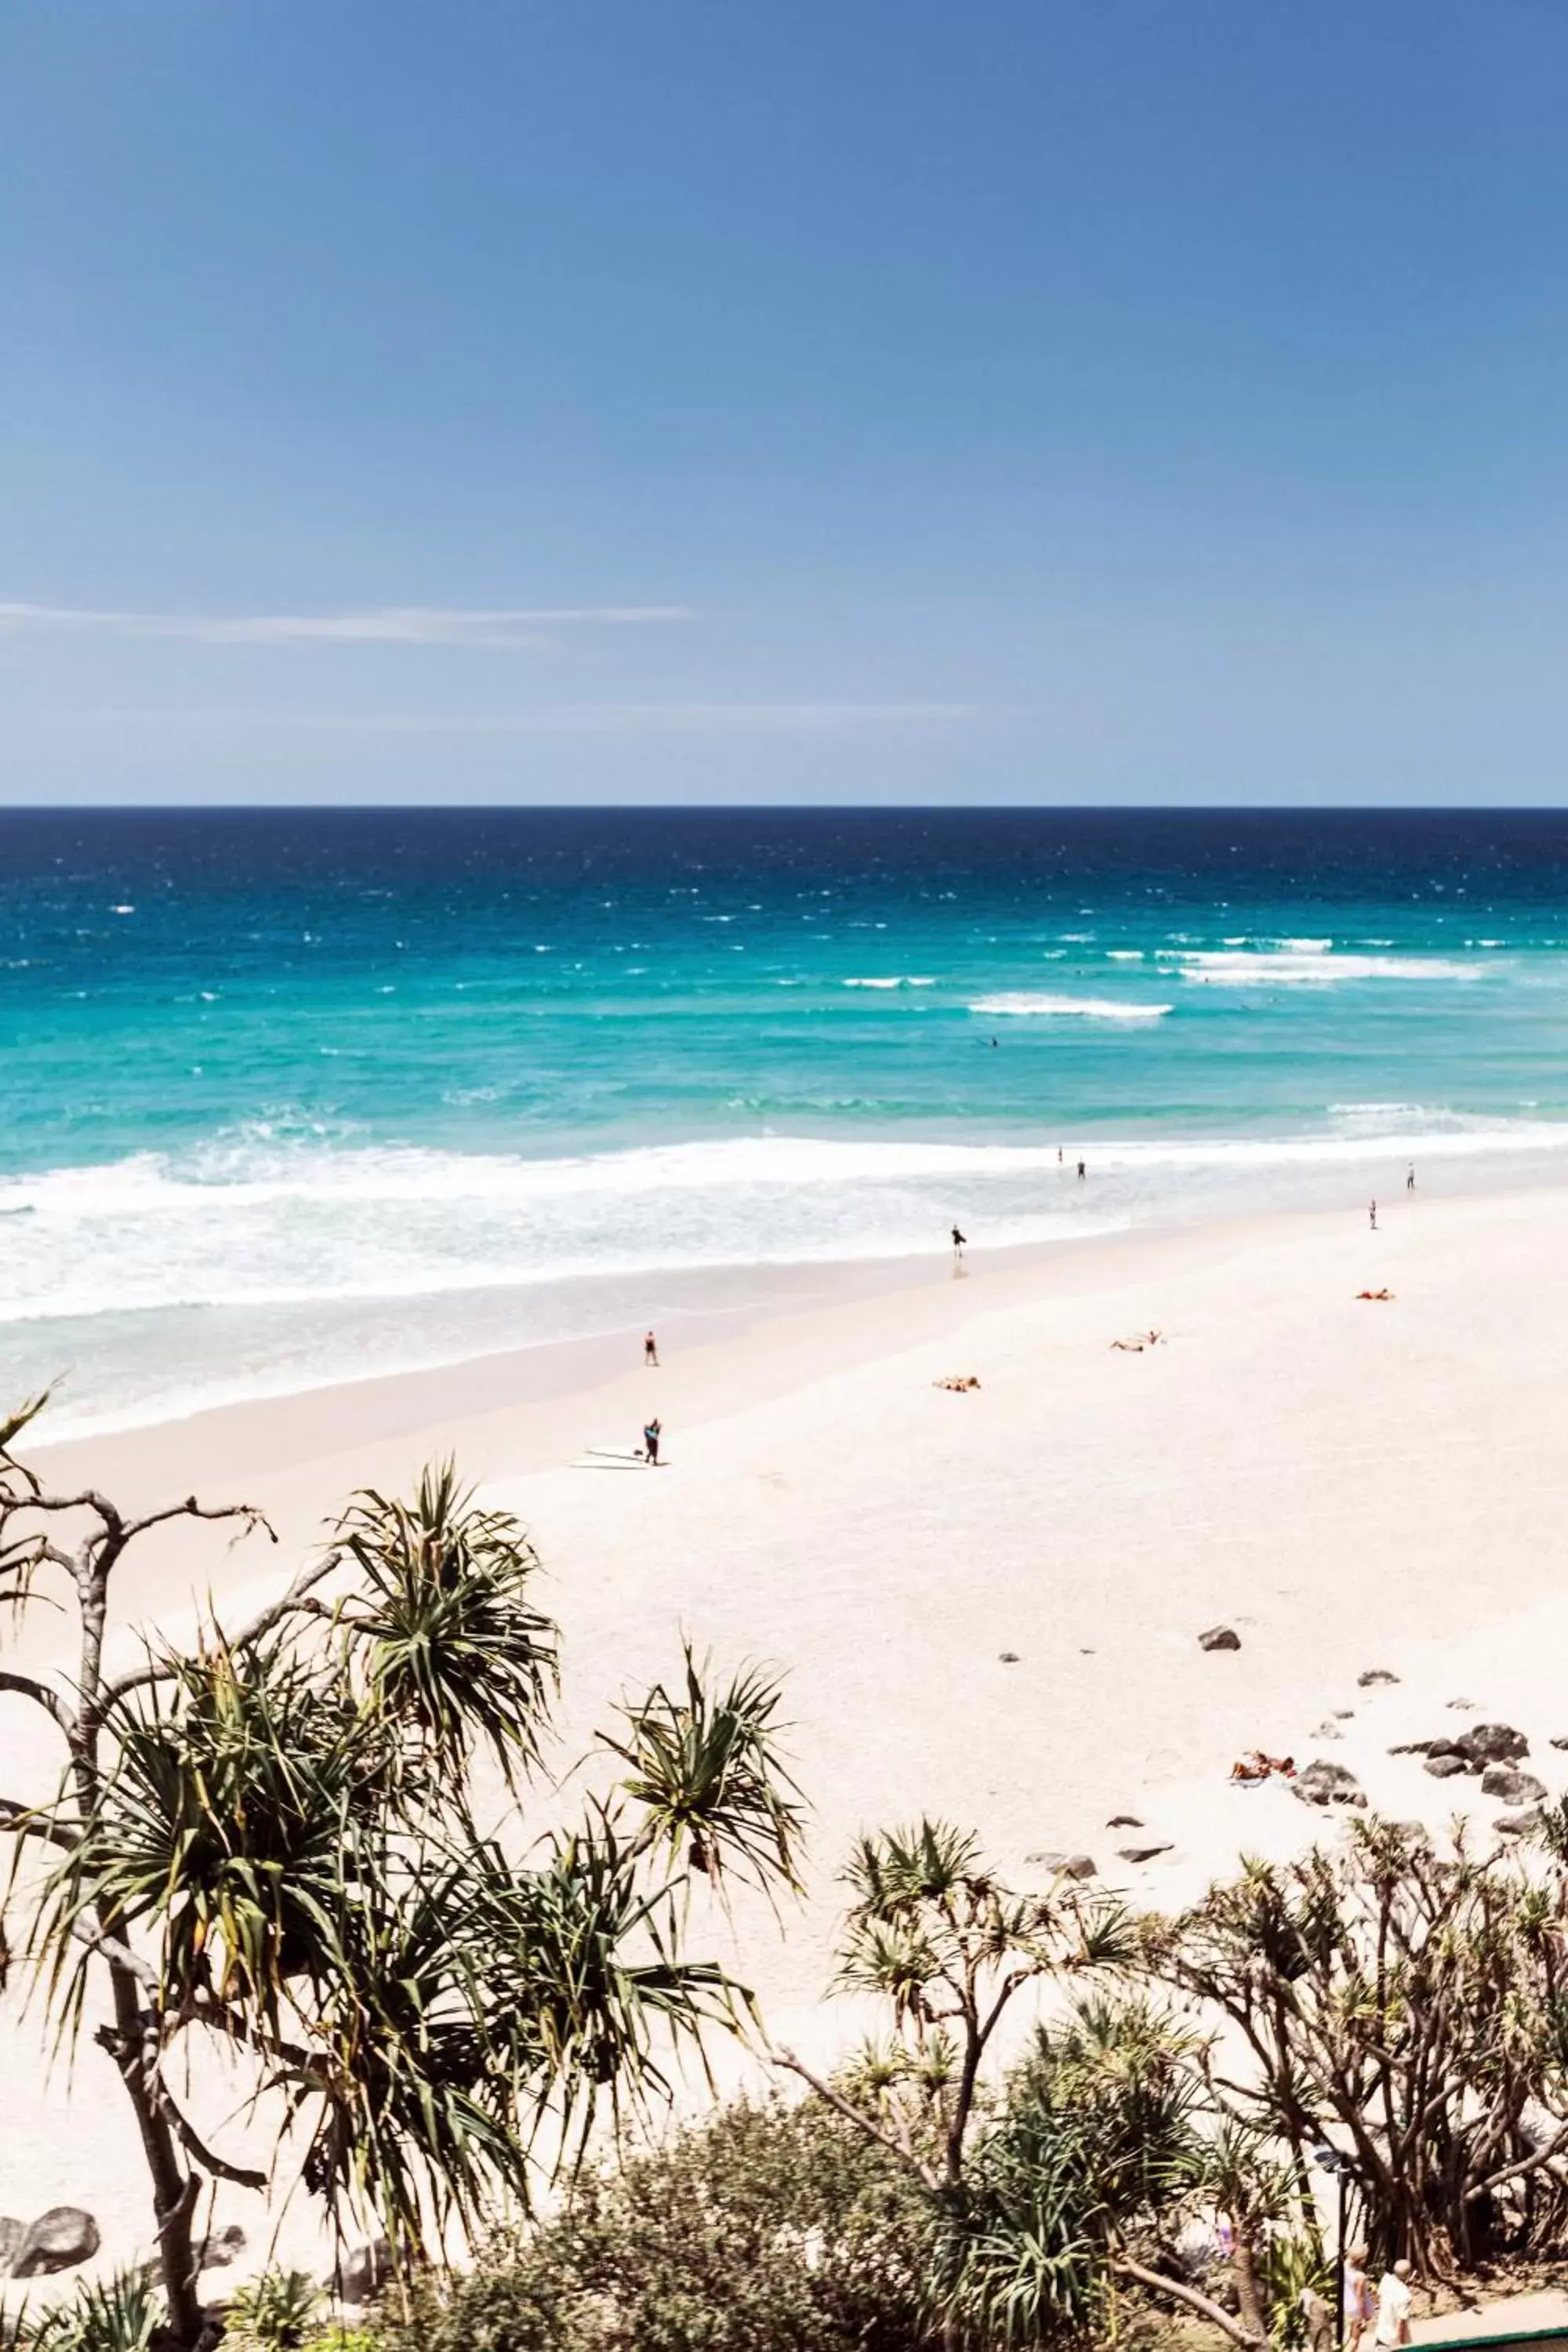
pixel 569 718
pixel 393 625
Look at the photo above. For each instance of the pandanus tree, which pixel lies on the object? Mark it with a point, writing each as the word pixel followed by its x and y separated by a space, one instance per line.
pixel 269 1838
pixel 1071 2172
pixel 1408 2007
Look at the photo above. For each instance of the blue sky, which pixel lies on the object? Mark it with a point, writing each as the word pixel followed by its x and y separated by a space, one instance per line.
pixel 1073 400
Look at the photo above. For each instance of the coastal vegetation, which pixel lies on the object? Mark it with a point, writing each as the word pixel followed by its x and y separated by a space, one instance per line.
pixel 269 1840
pixel 307 1841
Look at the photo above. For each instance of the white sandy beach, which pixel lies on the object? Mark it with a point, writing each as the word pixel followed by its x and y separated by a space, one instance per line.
pixel 1350 1486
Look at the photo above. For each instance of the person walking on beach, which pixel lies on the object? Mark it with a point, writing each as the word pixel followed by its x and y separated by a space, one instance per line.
pixel 1394 2306
pixel 1361 2302
pixel 650 1350
pixel 1082 1169
pixel 957 1242
pixel 650 1443
pixel 1372 1215
pixel 1410 1178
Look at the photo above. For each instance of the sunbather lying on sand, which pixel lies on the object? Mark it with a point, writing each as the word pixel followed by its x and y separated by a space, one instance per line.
pixel 1136 1346
pixel 1375 1294
pixel 959 1381
pixel 1256 1766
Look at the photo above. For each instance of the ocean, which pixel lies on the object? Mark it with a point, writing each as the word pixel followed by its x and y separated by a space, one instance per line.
pixel 291 1095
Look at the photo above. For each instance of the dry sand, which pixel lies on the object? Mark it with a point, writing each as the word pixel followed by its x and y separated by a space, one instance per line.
pixel 987 1604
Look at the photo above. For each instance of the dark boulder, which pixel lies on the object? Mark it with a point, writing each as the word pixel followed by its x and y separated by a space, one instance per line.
pixel 1066 1865
pixel 222 2247
pixel 1219 1637
pixel 1141 1852
pixel 1375 1677
pixel 1322 1783
pixel 1513 1787
pixel 58 2241
pixel 1496 1743
pixel 1518 1824
pixel 361 2273
pixel 1444 1765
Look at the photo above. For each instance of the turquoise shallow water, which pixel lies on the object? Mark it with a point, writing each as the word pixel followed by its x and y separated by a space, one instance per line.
pixel 286 1095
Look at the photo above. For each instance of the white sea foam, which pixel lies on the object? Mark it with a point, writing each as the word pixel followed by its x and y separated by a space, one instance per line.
pixel 275 1264
pixel 899 980
pixel 1309 965
pixel 1068 1008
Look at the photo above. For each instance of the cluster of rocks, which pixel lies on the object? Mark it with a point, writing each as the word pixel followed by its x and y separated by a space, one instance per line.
pixel 67 2236
pixel 1492 1751
pixel 1083 1865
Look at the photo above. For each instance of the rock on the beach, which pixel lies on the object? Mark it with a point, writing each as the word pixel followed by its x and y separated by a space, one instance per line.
pixel 1375 1677
pixel 1444 1764
pixel 1141 1852
pixel 222 2247
pixel 1219 1637
pixel 1497 1743
pixel 1329 1731
pixel 56 2240
pixel 1415 1747
pixel 12 2234
pixel 1518 1824
pixel 1007 1657
pixel 1195 2251
pixel 1514 1787
pixel 362 2274
pixel 1124 1822
pixel 1322 1783
pixel 1066 1865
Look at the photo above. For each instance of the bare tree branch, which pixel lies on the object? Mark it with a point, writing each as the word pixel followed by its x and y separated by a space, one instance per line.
pixel 28 1820
pixel 186 2133
pixel 118 1956
pixel 1538 2160
pixel 792 2065
pixel 25 1686
pixel 1179 2291
pixel 292 1600
pixel 191 1509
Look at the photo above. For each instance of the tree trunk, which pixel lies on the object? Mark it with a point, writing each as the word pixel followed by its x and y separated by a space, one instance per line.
pixel 174 2190
pixel 1248 2292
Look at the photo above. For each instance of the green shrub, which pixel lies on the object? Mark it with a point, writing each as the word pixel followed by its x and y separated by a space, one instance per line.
pixel 112 2315
pixel 770 2229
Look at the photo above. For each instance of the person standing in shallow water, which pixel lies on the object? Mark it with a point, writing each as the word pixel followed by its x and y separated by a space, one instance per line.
pixel 650 1350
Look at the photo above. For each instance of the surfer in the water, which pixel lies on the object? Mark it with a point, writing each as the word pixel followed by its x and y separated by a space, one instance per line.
pixel 650 1443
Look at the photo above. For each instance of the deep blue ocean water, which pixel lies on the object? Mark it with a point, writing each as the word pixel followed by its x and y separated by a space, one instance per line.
pixel 286 1095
